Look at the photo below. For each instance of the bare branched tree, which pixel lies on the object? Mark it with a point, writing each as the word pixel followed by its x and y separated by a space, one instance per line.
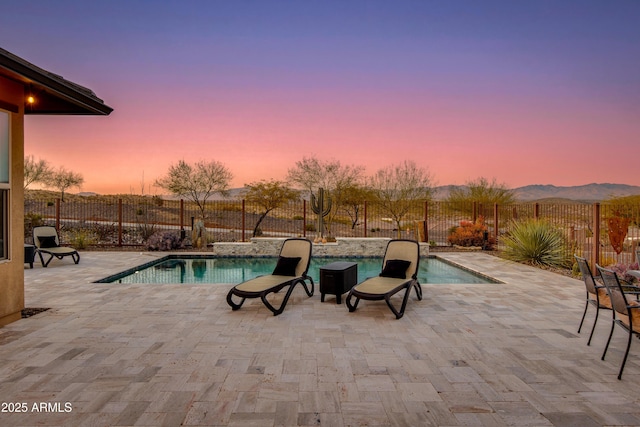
pixel 353 199
pixel 397 188
pixel 268 195
pixel 36 171
pixel 337 179
pixel 197 182
pixel 63 179
pixel 482 191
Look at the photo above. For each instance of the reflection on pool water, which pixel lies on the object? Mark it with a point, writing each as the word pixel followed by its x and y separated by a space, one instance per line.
pixel 197 269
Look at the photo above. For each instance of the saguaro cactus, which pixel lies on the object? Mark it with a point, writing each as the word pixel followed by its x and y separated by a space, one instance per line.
pixel 321 206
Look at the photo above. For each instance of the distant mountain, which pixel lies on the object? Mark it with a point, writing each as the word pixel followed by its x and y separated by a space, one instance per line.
pixel 590 192
pixel 586 193
pixel 442 192
pixel 232 193
pixel 547 193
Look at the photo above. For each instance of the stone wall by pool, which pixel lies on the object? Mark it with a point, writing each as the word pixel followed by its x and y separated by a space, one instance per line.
pixel 344 246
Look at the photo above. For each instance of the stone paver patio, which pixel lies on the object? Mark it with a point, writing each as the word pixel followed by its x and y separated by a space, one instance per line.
pixel 150 355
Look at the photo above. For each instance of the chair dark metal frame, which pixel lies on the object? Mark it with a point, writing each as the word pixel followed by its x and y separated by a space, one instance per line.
pixel 622 309
pixel 593 291
pixel 279 283
pixel 58 251
pixel 407 285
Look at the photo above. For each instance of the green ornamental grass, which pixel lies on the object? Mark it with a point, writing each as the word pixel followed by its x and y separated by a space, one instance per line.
pixel 536 242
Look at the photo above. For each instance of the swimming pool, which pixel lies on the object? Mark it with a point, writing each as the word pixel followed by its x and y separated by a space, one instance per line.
pixel 207 269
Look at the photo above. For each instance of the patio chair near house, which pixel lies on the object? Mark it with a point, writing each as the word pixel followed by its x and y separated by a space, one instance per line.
pixel 399 272
pixel 47 241
pixel 291 269
pixel 626 309
pixel 596 294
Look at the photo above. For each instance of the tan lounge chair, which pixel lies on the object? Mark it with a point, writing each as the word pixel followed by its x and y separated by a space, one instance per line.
pixel 399 272
pixel 46 241
pixel 291 269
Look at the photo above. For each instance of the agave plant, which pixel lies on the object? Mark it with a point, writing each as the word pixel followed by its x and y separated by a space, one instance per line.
pixel 536 242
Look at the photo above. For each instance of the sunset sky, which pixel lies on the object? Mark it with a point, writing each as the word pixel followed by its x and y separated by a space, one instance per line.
pixel 526 92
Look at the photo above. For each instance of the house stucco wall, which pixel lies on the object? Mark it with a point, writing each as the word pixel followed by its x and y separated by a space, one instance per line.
pixel 12 270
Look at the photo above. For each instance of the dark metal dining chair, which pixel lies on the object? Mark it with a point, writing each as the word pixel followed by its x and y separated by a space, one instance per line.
pixel 596 294
pixel 626 309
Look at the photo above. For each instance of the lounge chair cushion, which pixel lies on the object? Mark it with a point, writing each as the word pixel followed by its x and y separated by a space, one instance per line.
pixel 48 242
pixel 396 268
pixel 379 285
pixel 60 250
pixel 286 266
pixel 262 283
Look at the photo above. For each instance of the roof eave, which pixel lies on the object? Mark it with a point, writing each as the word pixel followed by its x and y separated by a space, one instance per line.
pixel 75 98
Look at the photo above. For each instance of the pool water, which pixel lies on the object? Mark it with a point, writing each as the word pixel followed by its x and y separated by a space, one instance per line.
pixel 174 269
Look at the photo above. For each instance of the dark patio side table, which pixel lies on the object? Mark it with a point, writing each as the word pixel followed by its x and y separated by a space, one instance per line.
pixel 29 254
pixel 337 278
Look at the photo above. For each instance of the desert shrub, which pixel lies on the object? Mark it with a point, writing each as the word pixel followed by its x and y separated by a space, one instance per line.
pixel 31 220
pixel 298 217
pixel 310 227
pixel 105 232
pixel 81 238
pixel 164 241
pixel 146 230
pixel 470 234
pixel 536 242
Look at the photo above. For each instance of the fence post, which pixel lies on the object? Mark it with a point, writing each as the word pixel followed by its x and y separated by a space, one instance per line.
pixel 365 218
pixel 181 215
pixel 536 211
pixel 495 222
pixel 243 220
pixel 304 218
pixel 595 242
pixel 425 223
pixel 120 222
pixel 475 211
pixel 58 214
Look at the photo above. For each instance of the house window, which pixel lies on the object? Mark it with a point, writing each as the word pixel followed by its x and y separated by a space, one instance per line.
pixel 4 237
pixel 4 184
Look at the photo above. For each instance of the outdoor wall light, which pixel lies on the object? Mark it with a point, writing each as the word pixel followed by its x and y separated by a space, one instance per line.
pixel 31 97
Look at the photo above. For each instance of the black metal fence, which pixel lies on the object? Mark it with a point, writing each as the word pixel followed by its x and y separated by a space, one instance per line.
pixel 131 220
